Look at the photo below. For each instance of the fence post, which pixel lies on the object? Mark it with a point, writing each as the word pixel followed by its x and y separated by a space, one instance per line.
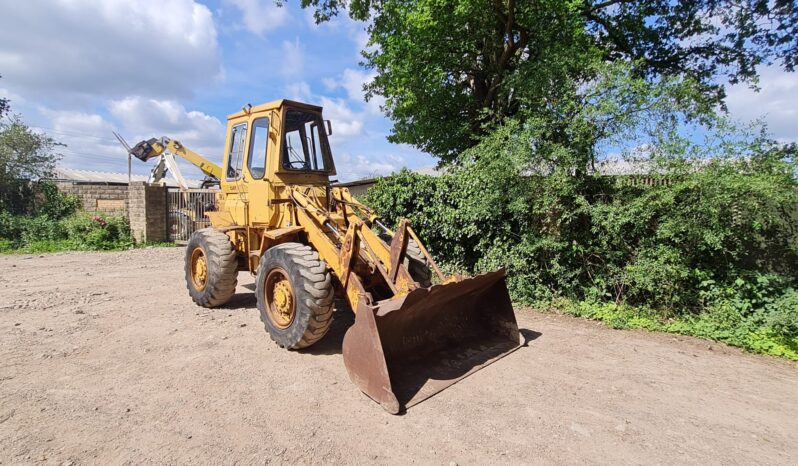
pixel 147 212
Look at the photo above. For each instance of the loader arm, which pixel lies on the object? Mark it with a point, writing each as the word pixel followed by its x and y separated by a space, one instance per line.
pixel 341 245
pixel 151 148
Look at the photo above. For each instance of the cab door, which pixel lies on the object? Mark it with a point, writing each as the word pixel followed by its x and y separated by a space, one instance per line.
pixel 259 149
pixel 235 195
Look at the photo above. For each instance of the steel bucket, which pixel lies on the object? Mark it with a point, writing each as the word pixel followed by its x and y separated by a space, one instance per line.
pixel 402 351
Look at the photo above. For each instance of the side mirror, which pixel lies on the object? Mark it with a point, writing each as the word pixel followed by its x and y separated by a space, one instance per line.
pixel 329 127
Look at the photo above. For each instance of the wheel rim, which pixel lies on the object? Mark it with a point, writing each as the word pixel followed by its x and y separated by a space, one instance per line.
pixel 199 269
pixel 280 301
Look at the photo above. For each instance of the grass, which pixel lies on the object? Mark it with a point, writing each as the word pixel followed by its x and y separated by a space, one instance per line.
pixel 706 325
pixel 49 246
pixel 6 247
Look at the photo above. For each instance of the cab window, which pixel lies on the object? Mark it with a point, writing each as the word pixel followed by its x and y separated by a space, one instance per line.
pixel 236 158
pixel 258 146
pixel 305 146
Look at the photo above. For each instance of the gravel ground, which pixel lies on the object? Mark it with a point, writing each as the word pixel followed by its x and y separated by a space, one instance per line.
pixel 105 360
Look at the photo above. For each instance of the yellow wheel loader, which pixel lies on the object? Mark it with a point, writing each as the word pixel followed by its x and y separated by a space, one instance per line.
pixel 279 217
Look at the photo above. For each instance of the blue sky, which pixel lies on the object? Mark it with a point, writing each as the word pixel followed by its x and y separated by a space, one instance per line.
pixel 178 68
pixel 79 69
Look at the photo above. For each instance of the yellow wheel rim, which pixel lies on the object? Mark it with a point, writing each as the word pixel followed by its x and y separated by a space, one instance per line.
pixel 280 301
pixel 199 269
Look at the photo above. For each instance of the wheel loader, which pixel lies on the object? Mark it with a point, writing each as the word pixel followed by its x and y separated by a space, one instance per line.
pixel 416 331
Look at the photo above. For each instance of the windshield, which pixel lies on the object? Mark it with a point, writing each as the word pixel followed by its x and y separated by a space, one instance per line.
pixel 305 145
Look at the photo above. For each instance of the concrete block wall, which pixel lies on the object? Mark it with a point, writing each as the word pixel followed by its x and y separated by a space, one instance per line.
pixel 98 198
pixel 147 212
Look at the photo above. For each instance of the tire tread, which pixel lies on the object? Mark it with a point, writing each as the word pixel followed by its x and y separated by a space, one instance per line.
pixel 222 261
pixel 313 289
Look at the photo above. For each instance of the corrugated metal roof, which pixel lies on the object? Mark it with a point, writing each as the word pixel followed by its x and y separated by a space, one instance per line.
pixel 363 182
pixel 617 166
pixel 91 176
pixel 431 170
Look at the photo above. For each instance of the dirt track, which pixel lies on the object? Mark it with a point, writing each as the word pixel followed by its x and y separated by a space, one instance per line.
pixel 105 360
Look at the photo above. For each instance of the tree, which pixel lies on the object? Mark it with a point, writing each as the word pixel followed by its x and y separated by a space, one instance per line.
pixel 720 208
pixel 451 70
pixel 25 155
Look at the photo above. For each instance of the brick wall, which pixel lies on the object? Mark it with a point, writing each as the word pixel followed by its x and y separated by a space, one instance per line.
pixel 98 198
pixel 147 212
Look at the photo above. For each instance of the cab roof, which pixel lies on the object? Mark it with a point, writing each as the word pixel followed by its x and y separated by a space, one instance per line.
pixel 273 105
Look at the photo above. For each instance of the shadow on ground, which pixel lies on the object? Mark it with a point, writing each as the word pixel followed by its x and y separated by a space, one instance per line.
pixel 528 335
pixel 343 318
pixel 241 301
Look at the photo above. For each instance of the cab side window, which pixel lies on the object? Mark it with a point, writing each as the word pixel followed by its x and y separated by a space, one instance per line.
pixel 258 147
pixel 236 159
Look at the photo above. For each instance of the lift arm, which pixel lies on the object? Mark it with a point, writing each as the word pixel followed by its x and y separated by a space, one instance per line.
pixel 151 148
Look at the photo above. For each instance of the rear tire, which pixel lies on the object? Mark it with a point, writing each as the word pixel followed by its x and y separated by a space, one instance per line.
pixel 180 226
pixel 416 263
pixel 211 267
pixel 295 295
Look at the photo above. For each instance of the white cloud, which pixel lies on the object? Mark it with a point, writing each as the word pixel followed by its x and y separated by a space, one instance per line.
pixel 330 84
pixel 147 118
pixel 776 102
pixel 87 67
pixel 88 139
pixel 293 58
pixel 90 144
pixel 361 39
pixel 64 121
pixel 260 16
pixel 299 91
pixel 352 81
pixel 107 48
pixel 359 167
pixel 346 123
pixel 14 98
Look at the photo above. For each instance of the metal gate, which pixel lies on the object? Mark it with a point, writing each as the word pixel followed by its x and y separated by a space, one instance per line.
pixel 185 211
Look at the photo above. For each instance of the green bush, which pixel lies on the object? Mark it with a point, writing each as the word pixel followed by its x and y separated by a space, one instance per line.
pixel 53 203
pixel 98 233
pixel 10 226
pixel 720 322
pixel 781 315
pixel 25 198
pixel 46 220
pixel 6 245
pixel 655 246
pixel 79 231
pixel 711 247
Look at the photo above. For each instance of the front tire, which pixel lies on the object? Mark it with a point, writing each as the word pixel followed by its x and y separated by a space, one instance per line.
pixel 295 295
pixel 211 267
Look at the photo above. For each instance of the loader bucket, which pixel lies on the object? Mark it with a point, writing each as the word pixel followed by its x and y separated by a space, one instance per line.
pixel 404 350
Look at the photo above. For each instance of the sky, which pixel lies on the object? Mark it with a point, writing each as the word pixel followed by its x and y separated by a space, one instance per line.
pixel 80 69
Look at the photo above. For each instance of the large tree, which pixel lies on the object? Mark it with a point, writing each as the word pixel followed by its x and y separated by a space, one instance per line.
pixel 452 69
pixel 25 155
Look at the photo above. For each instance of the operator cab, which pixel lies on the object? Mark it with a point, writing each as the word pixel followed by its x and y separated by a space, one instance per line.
pixel 305 144
pixel 282 141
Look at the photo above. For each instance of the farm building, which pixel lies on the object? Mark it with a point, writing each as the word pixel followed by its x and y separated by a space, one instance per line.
pixel 102 192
